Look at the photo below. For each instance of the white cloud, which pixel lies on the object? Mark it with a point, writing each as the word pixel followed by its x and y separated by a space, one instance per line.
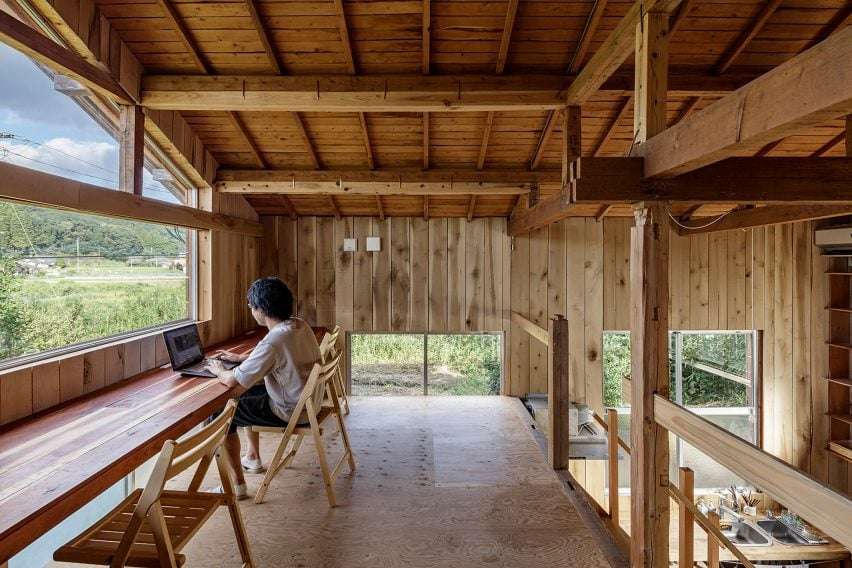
pixel 88 161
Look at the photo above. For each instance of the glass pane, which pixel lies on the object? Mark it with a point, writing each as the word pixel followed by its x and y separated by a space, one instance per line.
pixel 68 278
pixel 464 364
pixel 387 364
pixel 715 370
pixel 616 361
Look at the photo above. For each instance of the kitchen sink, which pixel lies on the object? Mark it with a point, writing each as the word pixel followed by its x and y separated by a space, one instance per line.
pixel 746 534
pixel 782 533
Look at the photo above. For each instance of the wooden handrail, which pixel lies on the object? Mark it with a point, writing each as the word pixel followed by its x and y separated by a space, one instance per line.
pixel 705 523
pixel 701 366
pixel 531 328
pixel 621 441
pixel 829 510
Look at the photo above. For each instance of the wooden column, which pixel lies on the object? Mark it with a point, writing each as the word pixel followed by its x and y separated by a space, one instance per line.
pixel 612 448
pixel 557 390
pixel 652 57
pixel 131 149
pixel 686 529
pixel 649 326
pixel 712 542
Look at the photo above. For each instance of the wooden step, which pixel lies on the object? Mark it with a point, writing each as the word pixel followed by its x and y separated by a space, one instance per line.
pixel 847 418
pixel 840 381
pixel 839 345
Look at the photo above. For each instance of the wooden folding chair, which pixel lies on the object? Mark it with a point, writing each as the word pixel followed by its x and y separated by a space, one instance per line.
pixel 328 350
pixel 151 525
pixel 310 407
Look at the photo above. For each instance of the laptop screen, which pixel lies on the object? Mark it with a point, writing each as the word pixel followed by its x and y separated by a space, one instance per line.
pixel 184 346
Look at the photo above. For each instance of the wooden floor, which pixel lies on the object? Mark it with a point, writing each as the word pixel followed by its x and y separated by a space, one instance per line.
pixel 441 481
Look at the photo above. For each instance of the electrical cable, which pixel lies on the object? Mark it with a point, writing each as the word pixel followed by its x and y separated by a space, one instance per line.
pixel 692 228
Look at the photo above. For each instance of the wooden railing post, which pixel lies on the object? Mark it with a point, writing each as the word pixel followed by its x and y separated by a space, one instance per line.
pixel 686 532
pixel 712 542
pixel 612 442
pixel 559 401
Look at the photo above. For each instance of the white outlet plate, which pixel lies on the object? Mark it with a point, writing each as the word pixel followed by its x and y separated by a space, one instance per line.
pixel 374 244
pixel 350 245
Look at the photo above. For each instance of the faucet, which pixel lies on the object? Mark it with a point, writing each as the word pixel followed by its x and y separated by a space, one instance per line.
pixel 723 509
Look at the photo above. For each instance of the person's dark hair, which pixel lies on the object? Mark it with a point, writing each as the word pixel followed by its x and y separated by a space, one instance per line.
pixel 271 296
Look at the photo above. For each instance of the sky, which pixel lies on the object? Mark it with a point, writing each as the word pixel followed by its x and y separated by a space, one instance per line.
pixel 51 133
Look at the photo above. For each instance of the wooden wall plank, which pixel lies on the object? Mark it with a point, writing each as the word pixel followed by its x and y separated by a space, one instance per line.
pixel 699 295
pixel 800 398
pixel 538 307
pixel 71 377
pixel 438 300
pixel 113 364
pixel 132 359
pixel 363 274
pixel 491 275
pixel 718 281
pixel 46 385
pixel 456 272
pixel 474 276
pixel 520 295
pixel 594 308
pixel 400 274
pixel 307 271
pixel 344 274
pixel 94 370
pixel 381 276
pixel 679 281
pixel 288 257
pixel 419 310
pixel 325 272
pixel 819 296
pixel 16 395
pixel 575 305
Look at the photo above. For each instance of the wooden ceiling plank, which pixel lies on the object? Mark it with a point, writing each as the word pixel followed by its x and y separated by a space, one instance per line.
pixel 185 36
pixel 271 52
pixel 749 34
pixel 306 139
pixel 837 21
pixel 775 105
pixel 426 33
pixel 770 215
pixel 690 107
pixel 243 132
pixel 622 112
pixel 586 38
pixel 767 149
pixel 483 146
pixel 42 49
pixel 368 146
pixel 471 207
pixel 343 29
pixel 550 122
pixel 829 146
pixel 506 37
pixel 426 129
pixel 680 15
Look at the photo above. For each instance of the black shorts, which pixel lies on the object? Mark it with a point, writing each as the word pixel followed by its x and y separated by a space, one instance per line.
pixel 254 409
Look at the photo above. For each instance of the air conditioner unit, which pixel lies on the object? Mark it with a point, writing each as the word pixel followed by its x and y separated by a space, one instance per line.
pixel 834 239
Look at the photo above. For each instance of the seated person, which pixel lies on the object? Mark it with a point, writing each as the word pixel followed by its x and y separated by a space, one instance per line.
pixel 283 359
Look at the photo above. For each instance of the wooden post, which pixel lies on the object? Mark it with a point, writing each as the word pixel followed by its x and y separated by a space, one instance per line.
pixel 558 397
pixel 652 56
pixel 712 542
pixel 612 441
pixel 649 326
pixel 131 149
pixel 686 532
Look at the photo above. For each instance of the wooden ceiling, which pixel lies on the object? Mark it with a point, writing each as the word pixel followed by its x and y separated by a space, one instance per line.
pixel 713 38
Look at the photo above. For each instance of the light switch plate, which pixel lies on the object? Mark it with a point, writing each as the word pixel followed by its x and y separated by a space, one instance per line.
pixel 374 244
pixel 350 245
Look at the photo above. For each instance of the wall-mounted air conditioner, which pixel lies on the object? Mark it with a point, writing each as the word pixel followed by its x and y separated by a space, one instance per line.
pixel 834 239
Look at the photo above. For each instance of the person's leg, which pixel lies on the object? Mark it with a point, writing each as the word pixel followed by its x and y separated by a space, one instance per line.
pixel 253 449
pixel 232 446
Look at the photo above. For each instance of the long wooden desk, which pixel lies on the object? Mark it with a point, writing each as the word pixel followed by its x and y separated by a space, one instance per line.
pixel 53 463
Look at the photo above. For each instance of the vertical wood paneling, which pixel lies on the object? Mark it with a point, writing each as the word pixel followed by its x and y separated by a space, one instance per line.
pixel 456 229
pixel 363 273
pixel 400 274
pixel 801 396
pixel 438 300
pixel 538 307
pixel 718 281
pixel 474 275
pixel 678 281
pixel 736 280
pixel 419 316
pixel 783 323
pixel 325 287
pixel 288 259
pixel 699 294
pixel 819 366
pixel 46 385
pixel 622 272
pixel 575 311
pixel 71 377
pixel 94 370
pixel 16 395
pixel 344 273
pixel 491 275
pixel 520 294
pixel 307 255
pixel 594 307
pixel 381 277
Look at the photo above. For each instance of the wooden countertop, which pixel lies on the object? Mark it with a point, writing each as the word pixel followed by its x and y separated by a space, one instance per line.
pixel 54 462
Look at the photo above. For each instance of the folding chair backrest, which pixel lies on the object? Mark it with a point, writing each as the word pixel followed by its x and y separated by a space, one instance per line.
pixel 328 347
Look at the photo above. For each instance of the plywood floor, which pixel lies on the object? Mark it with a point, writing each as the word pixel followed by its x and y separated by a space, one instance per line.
pixel 441 482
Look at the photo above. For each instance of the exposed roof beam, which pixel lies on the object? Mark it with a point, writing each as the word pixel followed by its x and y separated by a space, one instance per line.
pixel 471 207
pixel 42 49
pixel 680 15
pixel 836 22
pixel 380 207
pixel 483 146
pixel 343 29
pixel 271 53
pixel 690 107
pixel 770 215
pixel 426 129
pixel 622 112
pixel 288 205
pixel 828 146
pixel 808 90
pixel 309 146
pixel 550 123
pixel 396 93
pixel 334 208
pixel 426 33
pixel 185 36
pixel 241 129
pixel 742 42
pixel 506 37
pixel 586 39
pixel 391 182
pixel 368 146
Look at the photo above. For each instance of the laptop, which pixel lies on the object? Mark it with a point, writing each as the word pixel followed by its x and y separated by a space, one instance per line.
pixel 185 353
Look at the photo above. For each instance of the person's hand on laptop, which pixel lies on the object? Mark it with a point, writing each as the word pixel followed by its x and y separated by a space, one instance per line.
pixel 231 357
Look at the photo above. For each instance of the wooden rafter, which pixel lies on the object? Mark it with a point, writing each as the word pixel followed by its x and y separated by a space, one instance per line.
pixel 829 146
pixel 426 129
pixel 132 149
pixel 550 123
pixel 241 129
pixel 602 212
pixel 334 208
pixel 777 104
pixel 368 146
pixel 749 34
pixel 380 207
pixel 471 207
pixel 343 29
pixel 288 206
pixel 271 53
pixel 306 139
pixel 622 112
pixel 680 15
pixel 586 38
pixel 483 146
pixel 185 37
pixel 40 48
pixel 690 107
pixel 770 215
pixel 767 149
pixel 836 22
pixel 426 27
pixel 506 37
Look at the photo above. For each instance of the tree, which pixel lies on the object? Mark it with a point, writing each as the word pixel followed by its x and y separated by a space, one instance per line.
pixel 13 317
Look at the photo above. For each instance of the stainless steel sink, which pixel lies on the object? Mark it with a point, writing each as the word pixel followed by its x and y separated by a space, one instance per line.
pixel 783 534
pixel 742 533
